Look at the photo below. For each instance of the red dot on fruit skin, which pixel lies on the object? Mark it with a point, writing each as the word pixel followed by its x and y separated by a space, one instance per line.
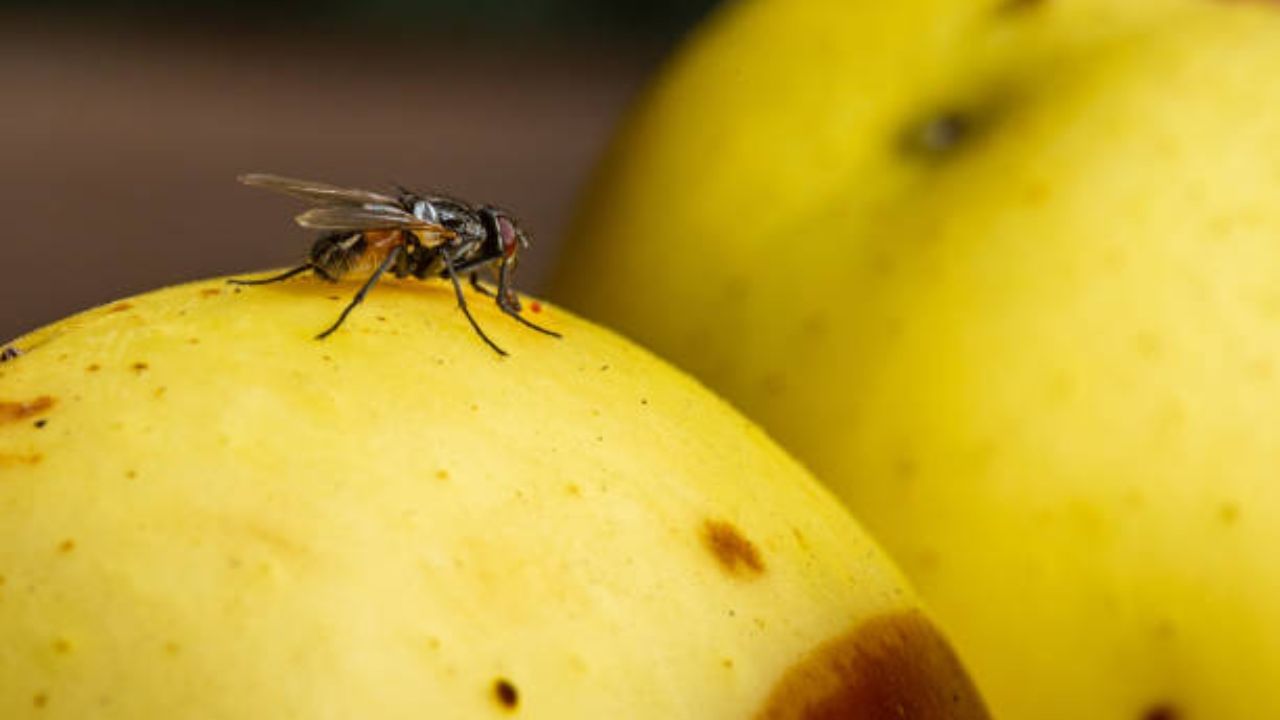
pixel 535 306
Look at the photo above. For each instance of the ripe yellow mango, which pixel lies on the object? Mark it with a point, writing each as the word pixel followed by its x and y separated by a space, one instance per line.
pixel 204 512
pixel 1007 277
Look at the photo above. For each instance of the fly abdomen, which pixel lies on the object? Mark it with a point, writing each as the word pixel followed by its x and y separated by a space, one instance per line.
pixel 335 254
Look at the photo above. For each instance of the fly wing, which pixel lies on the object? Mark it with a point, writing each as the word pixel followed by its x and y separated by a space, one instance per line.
pixel 368 217
pixel 316 193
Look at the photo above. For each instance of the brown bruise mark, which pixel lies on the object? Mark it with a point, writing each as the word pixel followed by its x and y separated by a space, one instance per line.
pixel 506 694
pixel 139 367
pixel 210 292
pixel 93 368
pixel 1161 711
pixel 893 666
pixel 16 411
pixel 66 546
pixel 120 307
pixel 40 700
pixel 736 554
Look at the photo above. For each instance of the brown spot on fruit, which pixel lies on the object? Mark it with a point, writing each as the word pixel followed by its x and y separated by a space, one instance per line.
pixel 506 693
pixel 139 366
pixel 66 546
pixel 93 367
pixel 40 701
pixel 120 307
pixel 938 134
pixel 736 554
pixel 15 411
pixel 62 646
pixel 210 292
pixel 893 666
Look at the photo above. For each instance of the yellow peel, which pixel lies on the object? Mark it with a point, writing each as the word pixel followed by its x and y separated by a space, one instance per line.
pixel 212 514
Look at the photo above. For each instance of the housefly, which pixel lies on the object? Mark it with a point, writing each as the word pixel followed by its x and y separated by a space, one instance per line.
pixel 409 235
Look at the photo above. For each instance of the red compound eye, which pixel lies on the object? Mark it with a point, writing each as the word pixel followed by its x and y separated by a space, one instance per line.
pixel 507 231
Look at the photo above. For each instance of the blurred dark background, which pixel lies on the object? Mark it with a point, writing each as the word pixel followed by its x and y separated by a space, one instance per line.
pixel 123 124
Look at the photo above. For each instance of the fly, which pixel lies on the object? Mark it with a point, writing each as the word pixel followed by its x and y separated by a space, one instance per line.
pixel 410 235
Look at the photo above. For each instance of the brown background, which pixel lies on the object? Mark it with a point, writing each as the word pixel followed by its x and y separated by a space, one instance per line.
pixel 119 145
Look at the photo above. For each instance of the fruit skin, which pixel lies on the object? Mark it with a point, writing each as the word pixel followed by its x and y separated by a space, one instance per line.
pixel 1040 364
pixel 205 512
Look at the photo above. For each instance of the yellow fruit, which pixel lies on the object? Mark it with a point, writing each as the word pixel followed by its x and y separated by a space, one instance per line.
pixel 206 513
pixel 1033 342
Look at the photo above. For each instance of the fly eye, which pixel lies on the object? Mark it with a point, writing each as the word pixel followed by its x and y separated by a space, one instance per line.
pixel 507 233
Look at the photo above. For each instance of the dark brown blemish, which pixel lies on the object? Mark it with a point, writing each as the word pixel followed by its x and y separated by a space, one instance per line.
pixel 15 411
pixel 66 546
pixel 506 694
pixel 736 554
pixel 1161 711
pixel 891 667
pixel 93 367
pixel 938 134
pixel 139 367
pixel 210 292
pixel 8 353
pixel 40 423
pixel 120 307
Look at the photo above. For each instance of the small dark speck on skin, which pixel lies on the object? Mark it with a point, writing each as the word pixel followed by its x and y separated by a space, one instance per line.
pixel 131 474
pixel 506 693
pixel 14 411
pixel 139 366
pixel 9 353
pixel 644 401
pixel 939 134
pixel 120 307
pixel 62 646
pixel 735 553
pixel 604 368
pixel 210 292
pixel 41 423
pixel 236 291
pixel 1162 711
pixel 66 546
pixel 334 297
pixel 40 701
pixel 93 367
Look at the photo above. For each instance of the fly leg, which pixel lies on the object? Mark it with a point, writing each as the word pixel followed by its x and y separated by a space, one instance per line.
pixel 364 290
pixel 510 304
pixel 276 278
pixel 452 273
pixel 478 286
